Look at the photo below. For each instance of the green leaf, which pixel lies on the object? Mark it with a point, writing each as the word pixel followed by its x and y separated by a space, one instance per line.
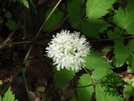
pixel 114 35
pixel 130 45
pixel 125 18
pixel 85 88
pixel 99 73
pixel 24 2
pixel 11 24
pixel 102 95
pixel 92 27
pixel 75 12
pixel 112 79
pixel 54 19
pixel 9 96
pixel 121 53
pixel 98 8
pixel 127 92
pixel 62 77
pixel 8 14
pixel 95 60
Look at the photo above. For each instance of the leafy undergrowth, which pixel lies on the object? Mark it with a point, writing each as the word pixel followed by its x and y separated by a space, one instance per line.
pixel 26 28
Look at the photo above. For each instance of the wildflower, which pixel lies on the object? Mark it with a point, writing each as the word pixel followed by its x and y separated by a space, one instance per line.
pixel 68 49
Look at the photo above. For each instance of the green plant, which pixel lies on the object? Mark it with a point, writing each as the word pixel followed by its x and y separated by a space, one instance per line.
pixel 8 96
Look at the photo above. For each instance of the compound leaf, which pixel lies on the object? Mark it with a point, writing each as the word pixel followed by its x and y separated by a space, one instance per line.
pixel 85 88
pixel 62 77
pixel 125 18
pixel 98 8
pixel 103 95
pixel 121 53
pixel 75 12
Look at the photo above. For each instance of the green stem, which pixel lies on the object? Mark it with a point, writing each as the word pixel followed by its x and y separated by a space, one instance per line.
pixel 47 19
pixel 25 82
pixel 112 39
pixel 21 42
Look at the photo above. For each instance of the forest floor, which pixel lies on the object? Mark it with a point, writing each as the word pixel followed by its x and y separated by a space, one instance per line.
pixel 38 68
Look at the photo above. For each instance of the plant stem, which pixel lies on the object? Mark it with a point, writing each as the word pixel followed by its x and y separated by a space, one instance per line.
pixel 21 42
pixel 25 82
pixel 47 19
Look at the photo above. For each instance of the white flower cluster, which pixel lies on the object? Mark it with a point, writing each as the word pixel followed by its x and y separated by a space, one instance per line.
pixel 68 49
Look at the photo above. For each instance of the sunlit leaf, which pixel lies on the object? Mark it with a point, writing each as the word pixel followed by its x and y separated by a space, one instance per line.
pixel 85 88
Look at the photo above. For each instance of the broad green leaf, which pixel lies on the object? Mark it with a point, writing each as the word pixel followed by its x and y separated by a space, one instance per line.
pixel 99 73
pixel 9 96
pixel 24 2
pixel 130 45
pixel 121 53
pixel 92 27
pixel 11 24
pixel 62 77
pixel 54 19
pixel 98 8
pixel 75 12
pixel 95 60
pixel 125 18
pixel 103 95
pixel 85 88
pixel 127 92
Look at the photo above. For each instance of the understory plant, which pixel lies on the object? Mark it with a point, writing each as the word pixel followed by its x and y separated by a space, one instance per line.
pixel 73 52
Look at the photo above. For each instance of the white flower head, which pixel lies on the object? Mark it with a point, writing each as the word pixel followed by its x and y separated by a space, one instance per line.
pixel 68 49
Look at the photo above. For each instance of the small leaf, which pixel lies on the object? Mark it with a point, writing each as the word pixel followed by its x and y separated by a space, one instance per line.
pixel 107 49
pixel 24 2
pixel 8 14
pixel 127 92
pixel 98 8
pixel 121 53
pixel 62 77
pixel 85 88
pixel 11 24
pixel 9 96
pixel 95 60
pixel 103 95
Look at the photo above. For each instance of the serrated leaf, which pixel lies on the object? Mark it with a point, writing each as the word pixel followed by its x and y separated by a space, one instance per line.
pixel 54 19
pixel 127 92
pixel 98 8
pixel 102 95
pixel 85 88
pixel 9 96
pixel 121 53
pixel 95 60
pixel 125 18
pixel 24 2
pixel 62 77
pixel 92 27
pixel 99 73
pixel 130 45
pixel 75 12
